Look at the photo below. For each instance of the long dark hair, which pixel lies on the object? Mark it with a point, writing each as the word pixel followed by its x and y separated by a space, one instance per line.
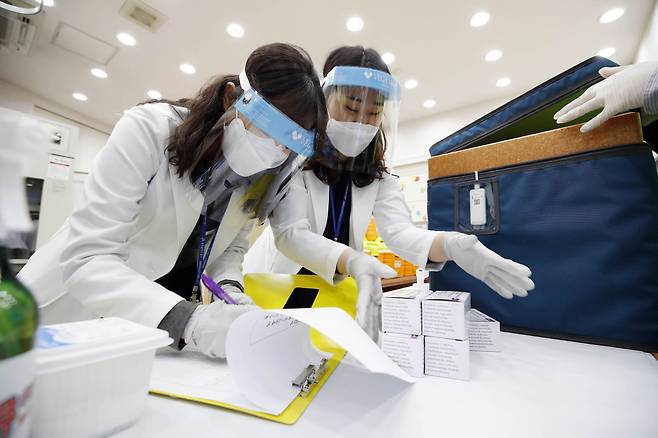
pixel 282 73
pixel 371 161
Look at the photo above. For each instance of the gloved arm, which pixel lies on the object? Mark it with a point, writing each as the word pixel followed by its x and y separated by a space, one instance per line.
pixel 208 326
pixel 504 276
pixel 624 88
pixel 367 271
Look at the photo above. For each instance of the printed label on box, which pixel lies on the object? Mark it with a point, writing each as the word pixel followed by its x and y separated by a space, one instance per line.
pixel 407 351
pixel 447 358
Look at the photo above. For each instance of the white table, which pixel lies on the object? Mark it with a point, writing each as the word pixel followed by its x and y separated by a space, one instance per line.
pixel 536 387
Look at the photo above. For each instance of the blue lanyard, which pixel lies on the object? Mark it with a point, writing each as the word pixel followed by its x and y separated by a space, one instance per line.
pixel 337 224
pixel 203 254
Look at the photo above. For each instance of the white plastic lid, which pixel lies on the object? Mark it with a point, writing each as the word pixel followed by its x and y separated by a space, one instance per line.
pixel 74 344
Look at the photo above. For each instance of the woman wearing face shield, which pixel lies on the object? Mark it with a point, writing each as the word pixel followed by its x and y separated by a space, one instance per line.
pixel 172 197
pixel 348 183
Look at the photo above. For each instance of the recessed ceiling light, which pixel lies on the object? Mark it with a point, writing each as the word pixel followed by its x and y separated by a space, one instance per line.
pixel 429 103
pixel 410 83
pixel 503 82
pixel 480 19
pixel 154 94
pixel 388 58
pixel 126 39
pixel 493 55
pixel 235 30
pixel 99 73
pixel 187 69
pixel 354 24
pixel 79 96
pixel 48 3
pixel 611 15
pixel 608 51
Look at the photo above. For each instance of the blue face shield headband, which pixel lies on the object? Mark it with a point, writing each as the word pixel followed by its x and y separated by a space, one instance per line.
pixel 378 80
pixel 253 107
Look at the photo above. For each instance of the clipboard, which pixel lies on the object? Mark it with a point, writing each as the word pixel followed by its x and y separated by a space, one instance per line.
pixel 274 291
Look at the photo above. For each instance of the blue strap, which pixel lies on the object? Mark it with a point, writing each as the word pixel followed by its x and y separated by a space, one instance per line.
pixel 337 224
pixel 203 254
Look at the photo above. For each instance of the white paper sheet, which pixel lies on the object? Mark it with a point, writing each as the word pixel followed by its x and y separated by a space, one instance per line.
pixel 266 350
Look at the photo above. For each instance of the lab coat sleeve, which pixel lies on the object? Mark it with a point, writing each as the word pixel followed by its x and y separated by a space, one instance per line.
pixel 228 265
pixel 294 238
pixel 394 224
pixel 651 94
pixel 94 260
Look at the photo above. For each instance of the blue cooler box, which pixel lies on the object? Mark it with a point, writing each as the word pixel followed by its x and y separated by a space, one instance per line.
pixel 581 210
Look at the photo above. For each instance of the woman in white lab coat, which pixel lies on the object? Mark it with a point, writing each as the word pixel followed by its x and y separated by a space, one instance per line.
pixel 350 184
pixel 171 178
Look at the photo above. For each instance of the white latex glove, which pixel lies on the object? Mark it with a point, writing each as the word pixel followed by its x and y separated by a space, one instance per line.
pixel 368 271
pixel 506 277
pixel 622 90
pixel 235 293
pixel 207 328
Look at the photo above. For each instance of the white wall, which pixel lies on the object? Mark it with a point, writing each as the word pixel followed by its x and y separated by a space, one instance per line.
pixel 85 138
pixel 415 137
pixel 92 133
pixel 648 50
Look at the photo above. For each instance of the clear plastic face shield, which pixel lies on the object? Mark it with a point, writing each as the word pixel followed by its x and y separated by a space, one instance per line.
pixel 363 106
pixel 262 151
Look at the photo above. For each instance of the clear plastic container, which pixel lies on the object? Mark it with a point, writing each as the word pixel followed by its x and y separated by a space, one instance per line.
pixel 92 376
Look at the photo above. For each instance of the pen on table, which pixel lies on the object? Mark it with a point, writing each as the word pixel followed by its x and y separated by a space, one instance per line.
pixel 217 290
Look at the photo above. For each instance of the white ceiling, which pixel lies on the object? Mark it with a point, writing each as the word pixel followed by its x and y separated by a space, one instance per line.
pixel 432 41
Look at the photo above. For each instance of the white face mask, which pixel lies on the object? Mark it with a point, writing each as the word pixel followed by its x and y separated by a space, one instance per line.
pixel 247 153
pixel 350 138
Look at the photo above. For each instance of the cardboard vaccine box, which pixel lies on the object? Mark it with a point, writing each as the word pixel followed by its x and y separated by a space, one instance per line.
pixel 401 309
pixel 483 332
pixel 447 358
pixel 407 351
pixel 445 314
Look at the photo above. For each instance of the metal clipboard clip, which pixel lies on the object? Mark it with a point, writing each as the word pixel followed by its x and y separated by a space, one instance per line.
pixel 309 377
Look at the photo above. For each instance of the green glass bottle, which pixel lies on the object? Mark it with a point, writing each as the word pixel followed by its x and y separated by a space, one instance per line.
pixel 18 324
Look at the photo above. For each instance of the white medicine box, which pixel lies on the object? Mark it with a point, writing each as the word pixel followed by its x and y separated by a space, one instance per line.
pixel 447 358
pixel 407 351
pixel 445 314
pixel 401 310
pixel 483 332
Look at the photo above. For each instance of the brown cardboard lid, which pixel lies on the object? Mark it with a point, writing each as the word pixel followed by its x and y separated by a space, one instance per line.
pixel 618 131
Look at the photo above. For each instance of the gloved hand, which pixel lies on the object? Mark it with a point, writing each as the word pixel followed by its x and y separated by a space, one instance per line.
pixel 238 296
pixel 208 326
pixel 622 90
pixel 506 277
pixel 368 271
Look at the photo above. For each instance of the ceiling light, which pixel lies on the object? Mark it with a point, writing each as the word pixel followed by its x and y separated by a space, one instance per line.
pixel 235 30
pixel 410 83
pixel 187 69
pixel 354 24
pixel 126 39
pixel 153 94
pixel 607 52
pixel 503 82
pixel 429 103
pixel 493 55
pixel 99 73
pixel 79 96
pixel 388 58
pixel 611 15
pixel 480 19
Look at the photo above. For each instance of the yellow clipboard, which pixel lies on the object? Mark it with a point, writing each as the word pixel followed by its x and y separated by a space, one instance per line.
pixel 272 291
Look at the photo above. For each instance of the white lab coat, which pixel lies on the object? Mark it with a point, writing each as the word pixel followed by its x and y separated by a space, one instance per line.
pixel 382 199
pixel 136 216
